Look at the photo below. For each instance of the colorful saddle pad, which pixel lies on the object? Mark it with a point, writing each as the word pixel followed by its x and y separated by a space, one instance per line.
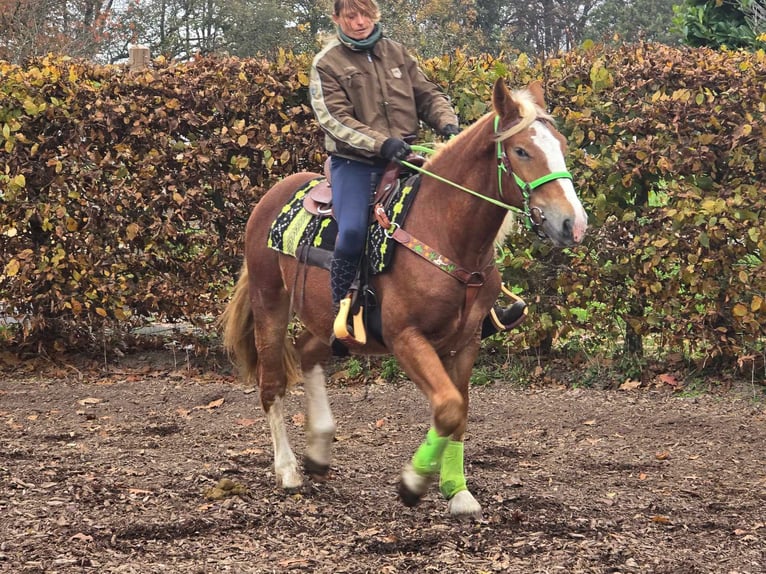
pixel 294 226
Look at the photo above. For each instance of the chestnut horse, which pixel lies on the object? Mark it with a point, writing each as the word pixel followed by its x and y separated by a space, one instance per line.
pixel 431 318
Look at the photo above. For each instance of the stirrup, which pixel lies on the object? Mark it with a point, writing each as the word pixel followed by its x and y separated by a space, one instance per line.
pixel 349 330
pixel 518 305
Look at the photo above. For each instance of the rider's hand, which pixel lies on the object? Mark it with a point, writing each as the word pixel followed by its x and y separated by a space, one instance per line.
pixel 394 149
pixel 449 131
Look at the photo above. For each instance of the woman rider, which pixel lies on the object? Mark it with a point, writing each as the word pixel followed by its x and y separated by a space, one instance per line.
pixel 369 95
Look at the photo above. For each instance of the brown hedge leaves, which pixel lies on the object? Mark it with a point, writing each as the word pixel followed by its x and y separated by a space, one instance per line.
pixel 125 195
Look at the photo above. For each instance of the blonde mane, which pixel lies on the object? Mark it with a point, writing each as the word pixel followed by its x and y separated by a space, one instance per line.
pixel 529 111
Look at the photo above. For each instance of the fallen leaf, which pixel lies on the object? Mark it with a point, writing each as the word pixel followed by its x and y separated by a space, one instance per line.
pixel 299 419
pixel 668 379
pixel 590 422
pixel 292 562
pixel 89 401
pixel 139 491
pixel 82 537
pixel 630 385
pixel 245 452
pixel 245 422
pixel 642 476
pixel 13 424
pixel 380 423
pixel 212 404
pixel 660 519
pixel 663 455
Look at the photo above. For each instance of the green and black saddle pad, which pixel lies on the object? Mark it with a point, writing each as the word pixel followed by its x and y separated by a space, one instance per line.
pixel 295 229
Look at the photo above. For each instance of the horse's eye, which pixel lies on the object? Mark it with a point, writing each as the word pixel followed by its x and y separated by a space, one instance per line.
pixel 521 152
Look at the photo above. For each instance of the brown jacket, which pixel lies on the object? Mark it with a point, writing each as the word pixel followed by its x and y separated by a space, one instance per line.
pixel 362 98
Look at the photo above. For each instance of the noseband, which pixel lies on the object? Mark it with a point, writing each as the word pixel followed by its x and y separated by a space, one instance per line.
pixel 535 215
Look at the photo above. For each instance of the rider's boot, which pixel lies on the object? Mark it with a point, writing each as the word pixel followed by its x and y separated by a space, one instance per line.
pixel 504 318
pixel 342 275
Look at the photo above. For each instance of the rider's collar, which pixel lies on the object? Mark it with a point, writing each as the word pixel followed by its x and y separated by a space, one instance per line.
pixel 361 45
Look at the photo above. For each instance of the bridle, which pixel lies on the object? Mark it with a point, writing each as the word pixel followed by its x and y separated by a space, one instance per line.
pixel 534 215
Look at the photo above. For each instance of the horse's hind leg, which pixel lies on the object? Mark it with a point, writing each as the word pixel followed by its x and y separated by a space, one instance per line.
pixel 285 465
pixel 320 426
pixel 276 368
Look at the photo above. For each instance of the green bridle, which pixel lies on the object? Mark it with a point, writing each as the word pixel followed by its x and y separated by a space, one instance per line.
pixel 535 216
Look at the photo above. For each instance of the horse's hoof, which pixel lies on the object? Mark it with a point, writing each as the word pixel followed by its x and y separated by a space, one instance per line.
pixel 413 485
pixel 464 505
pixel 407 496
pixel 317 472
pixel 289 480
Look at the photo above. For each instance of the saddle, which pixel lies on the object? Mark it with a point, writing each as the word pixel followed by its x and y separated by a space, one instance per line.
pixel 318 200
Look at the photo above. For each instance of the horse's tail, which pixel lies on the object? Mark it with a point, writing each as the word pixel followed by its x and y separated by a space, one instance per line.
pixel 237 326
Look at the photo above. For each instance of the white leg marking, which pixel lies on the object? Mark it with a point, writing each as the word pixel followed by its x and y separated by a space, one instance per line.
pixel 464 505
pixel 285 465
pixel 320 427
pixel 417 483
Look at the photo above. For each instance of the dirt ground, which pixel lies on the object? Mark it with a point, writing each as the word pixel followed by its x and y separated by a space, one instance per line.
pixel 110 470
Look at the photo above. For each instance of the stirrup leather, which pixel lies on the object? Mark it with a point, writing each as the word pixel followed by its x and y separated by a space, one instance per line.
pixel 349 329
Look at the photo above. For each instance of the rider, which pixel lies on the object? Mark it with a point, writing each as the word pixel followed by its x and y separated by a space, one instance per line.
pixel 368 95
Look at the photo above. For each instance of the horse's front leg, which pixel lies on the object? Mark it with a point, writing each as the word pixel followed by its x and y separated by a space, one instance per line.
pixel 423 365
pixel 442 456
pixel 452 481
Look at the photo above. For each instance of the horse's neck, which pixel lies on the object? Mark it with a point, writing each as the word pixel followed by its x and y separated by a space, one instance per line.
pixel 460 222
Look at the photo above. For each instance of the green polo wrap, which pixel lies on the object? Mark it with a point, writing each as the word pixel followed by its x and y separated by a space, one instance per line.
pixel 452 478
pixel 428 458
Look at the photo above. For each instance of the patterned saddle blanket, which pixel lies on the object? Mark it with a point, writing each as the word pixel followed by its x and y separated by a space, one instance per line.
pixel 295 229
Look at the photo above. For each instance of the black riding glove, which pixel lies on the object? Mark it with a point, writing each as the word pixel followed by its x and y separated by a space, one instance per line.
pixel 394 149
pixel 450 131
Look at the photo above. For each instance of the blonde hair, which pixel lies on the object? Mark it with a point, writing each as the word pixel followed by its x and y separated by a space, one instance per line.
pixel 367 8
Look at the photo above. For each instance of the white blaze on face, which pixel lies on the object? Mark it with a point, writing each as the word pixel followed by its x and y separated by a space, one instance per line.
pixel 544 139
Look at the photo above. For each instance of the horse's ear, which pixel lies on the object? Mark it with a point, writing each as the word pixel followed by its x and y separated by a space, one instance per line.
pixel 503 102
pixel 536 90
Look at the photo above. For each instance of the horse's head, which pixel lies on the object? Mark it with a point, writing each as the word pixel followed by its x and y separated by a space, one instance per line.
pixel 532 151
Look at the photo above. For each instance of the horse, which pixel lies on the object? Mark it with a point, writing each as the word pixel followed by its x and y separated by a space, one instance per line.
pixel 430 317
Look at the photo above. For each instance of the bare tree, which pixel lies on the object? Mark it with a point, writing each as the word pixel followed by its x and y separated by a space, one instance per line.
pixel 36 27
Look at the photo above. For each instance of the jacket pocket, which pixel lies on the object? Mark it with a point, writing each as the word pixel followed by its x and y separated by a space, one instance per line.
pixel 357 85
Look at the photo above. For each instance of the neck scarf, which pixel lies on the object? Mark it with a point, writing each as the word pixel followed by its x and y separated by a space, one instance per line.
pixel 361 45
